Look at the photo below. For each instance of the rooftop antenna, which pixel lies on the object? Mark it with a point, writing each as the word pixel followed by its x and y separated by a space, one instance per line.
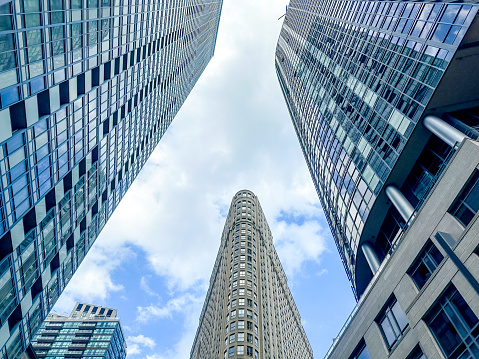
pixel 284 13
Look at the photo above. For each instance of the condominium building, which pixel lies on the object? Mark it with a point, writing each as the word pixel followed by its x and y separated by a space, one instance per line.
pixel 89 332
pixel 87 89
pixel 380 94
pixel 384 98
pixel 249 310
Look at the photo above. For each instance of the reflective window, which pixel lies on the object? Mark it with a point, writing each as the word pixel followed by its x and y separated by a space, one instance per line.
pixel 425 264
pixel 416 354
pixel 392 322
pixel 361 351
pixel 467 204
pixel 454 325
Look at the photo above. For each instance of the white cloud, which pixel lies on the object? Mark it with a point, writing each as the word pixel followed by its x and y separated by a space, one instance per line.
pixel 187 307
pixel 141 340
pixel 233 132
pixel 133 349
pixel 144 285
pixel 297 244
pixel 137 343
pixel 92 282
pixel 174 305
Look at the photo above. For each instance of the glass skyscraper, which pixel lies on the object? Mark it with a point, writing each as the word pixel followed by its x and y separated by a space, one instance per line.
pixel 380 94
pixel 249 310
pixel 87 89
pixel 89 332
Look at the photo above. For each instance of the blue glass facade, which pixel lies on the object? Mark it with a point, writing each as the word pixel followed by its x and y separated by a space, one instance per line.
pixel 83 335
pixel 357 77
pixel 87 89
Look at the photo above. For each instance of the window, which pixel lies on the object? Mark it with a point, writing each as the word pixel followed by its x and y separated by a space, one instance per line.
pixel 231 351
pixel 454 325
pixel 250 326
pixel 241 337
pixel 249 338
pixel 233 303
pixel 249 351
pixel 416 353
pixel 233 314
pixel 241 313
pixel 240 350
pixel 256 354
pixel 425 264
pixel 392 322
pixel 233 326
pixel 361 351
pixel 240 324
pixel 467 204
pixel 232 338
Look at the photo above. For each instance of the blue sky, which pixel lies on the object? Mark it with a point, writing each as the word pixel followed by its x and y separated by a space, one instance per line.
pixel 154 258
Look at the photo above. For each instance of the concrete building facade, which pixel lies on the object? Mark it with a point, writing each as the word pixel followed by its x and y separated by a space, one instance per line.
pixel 424 300
pixel 87 89
pixel 249 310
pixel 89 332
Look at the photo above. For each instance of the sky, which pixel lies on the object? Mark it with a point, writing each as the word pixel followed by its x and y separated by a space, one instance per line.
pixel 153 260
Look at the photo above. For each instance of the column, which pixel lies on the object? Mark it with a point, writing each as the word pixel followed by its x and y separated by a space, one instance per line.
pixel 443 130
pixel 400 202
pixel 371 256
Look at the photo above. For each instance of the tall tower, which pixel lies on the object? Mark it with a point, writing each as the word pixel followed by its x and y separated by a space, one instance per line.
pixel 380 94
pixel 87 89
pixel 249 310
pixel 89 332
